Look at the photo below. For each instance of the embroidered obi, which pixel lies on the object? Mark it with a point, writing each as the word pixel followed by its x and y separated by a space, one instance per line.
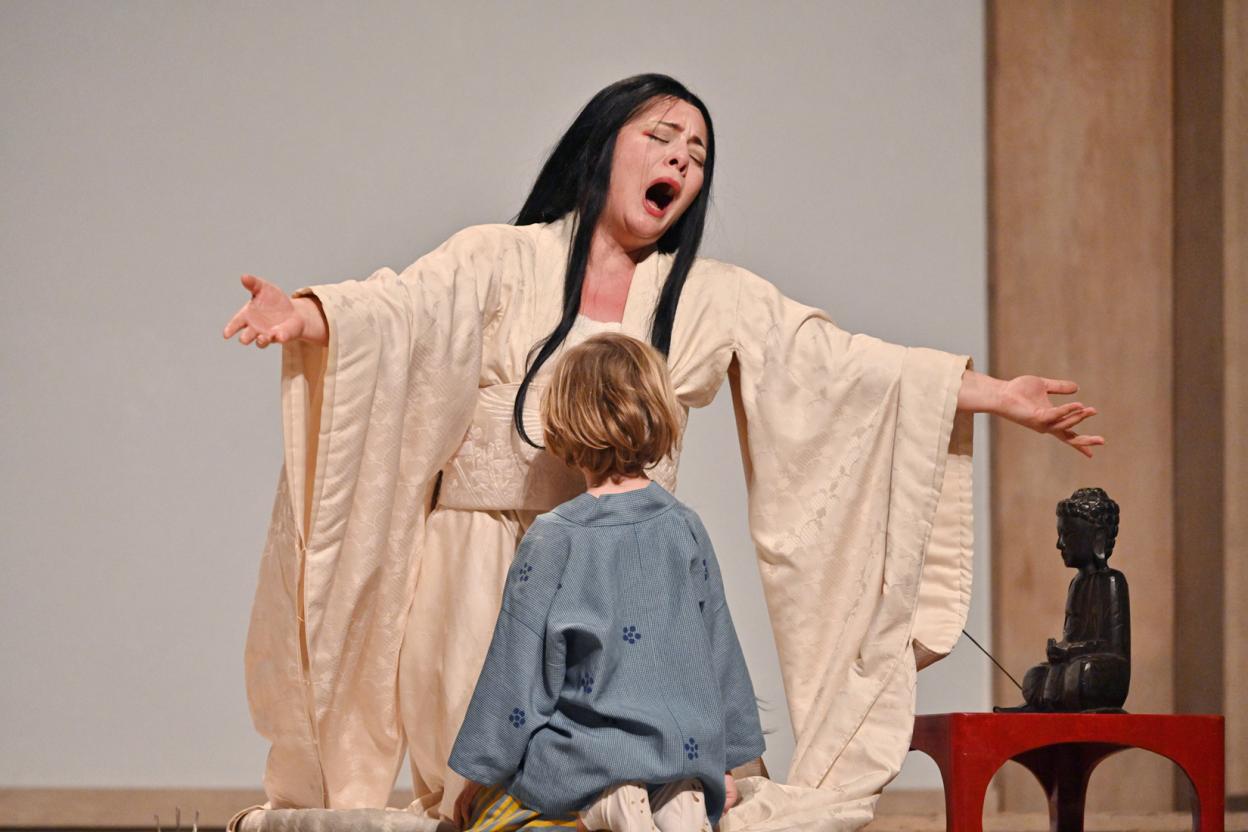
pixel 495 469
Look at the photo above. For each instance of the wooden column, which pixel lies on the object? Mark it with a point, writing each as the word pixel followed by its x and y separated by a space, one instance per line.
pixel 1199 359
pixel 1081 228
pixel 1118 257
pixel 1235 401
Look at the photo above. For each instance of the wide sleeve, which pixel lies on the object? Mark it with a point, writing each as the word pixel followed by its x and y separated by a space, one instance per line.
pixel 858 473
pixel 368 421
pixel 524 668
pixel 400 370
pixel 743 732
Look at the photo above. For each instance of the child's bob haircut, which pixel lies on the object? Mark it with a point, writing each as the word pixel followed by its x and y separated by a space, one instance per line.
pixel 609 409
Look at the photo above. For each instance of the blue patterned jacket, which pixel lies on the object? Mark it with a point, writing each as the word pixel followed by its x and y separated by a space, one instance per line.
pixel 614 659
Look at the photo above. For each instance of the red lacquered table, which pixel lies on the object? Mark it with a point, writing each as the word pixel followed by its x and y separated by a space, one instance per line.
pixel 1061 750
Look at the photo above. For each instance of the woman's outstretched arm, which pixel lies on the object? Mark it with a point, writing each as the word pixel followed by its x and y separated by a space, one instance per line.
pixel 271 316
pixel 1025 400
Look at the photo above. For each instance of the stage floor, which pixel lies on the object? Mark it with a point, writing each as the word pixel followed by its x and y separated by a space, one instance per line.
pixel 1039 822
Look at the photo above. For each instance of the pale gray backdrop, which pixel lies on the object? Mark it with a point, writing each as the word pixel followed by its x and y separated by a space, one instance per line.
pixel 151 153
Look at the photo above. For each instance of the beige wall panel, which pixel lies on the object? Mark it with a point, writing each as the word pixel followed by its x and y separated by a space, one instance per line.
pixel 1080 256
pixel 1235 166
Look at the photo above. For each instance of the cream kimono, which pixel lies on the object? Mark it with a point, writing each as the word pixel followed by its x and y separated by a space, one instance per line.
pixel 374 611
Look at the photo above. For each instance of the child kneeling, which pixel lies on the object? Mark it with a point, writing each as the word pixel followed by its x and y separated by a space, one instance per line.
pixel 614 694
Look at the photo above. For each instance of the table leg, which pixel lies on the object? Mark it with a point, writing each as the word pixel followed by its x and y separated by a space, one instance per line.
pixel 1202 763
pixel 1063 771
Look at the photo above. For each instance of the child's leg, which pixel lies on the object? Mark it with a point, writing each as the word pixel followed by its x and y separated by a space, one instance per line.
pixel 622 808
pixel 681 807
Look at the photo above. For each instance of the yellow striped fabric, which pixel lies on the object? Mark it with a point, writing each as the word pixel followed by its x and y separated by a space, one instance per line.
pixel 493 810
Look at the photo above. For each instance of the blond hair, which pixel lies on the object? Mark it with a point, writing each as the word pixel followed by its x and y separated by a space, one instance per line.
pixel 610 409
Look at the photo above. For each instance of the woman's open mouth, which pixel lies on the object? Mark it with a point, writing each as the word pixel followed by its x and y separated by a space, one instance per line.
pixel 660 194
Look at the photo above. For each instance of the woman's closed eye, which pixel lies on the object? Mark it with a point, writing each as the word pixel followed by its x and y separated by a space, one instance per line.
pixel 697 160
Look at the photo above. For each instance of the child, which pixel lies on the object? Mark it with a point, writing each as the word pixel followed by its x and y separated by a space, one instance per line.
pixel 614 684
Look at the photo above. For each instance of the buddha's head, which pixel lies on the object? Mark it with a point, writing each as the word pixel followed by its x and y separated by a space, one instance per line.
pixel 1087 525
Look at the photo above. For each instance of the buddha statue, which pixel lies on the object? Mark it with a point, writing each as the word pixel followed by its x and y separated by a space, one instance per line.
pixel 1089 670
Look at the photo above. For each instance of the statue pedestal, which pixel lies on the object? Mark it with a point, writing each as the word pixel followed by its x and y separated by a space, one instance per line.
pixel 1061 750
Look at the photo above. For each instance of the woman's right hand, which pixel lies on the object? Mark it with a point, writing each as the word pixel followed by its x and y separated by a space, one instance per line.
pixel 270 316
pixel 463 804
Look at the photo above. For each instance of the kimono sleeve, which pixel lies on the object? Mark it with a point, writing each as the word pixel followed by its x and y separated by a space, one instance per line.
pixel 858 474
pixel 401 368
pixel 368 421
pixel 743 732
pixel 523 671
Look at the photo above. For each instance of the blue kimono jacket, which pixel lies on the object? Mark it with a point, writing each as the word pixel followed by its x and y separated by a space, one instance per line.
pixel 614 658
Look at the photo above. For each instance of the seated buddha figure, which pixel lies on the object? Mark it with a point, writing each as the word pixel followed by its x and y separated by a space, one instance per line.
pixel 1090 668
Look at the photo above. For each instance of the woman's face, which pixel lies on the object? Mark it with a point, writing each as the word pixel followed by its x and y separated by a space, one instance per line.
pixel 656 172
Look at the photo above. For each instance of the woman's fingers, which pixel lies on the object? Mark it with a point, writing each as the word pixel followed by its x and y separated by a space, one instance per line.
pixel 1071 438
pixel 1082 443
pixel 1060 412
pixel 1074 418
pixel 461 809
pixel 250 332
pixel 1027 403
pixel 1067 423
pixel 463 805
pixel 236 323
pixel 286 330
pixel 1060 386
pixel 1045 418
pixel 252 284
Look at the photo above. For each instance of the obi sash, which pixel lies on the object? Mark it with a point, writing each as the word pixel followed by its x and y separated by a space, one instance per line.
pixel 494 469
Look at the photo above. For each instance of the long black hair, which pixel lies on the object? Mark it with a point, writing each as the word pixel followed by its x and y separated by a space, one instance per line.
pixel 576 179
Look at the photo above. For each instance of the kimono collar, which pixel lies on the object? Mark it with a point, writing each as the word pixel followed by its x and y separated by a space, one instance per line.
pixel 617 509
pixel 643 292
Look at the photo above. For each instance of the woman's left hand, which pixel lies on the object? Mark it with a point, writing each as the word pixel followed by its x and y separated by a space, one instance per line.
pixel 732 796
pixel 1025 400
